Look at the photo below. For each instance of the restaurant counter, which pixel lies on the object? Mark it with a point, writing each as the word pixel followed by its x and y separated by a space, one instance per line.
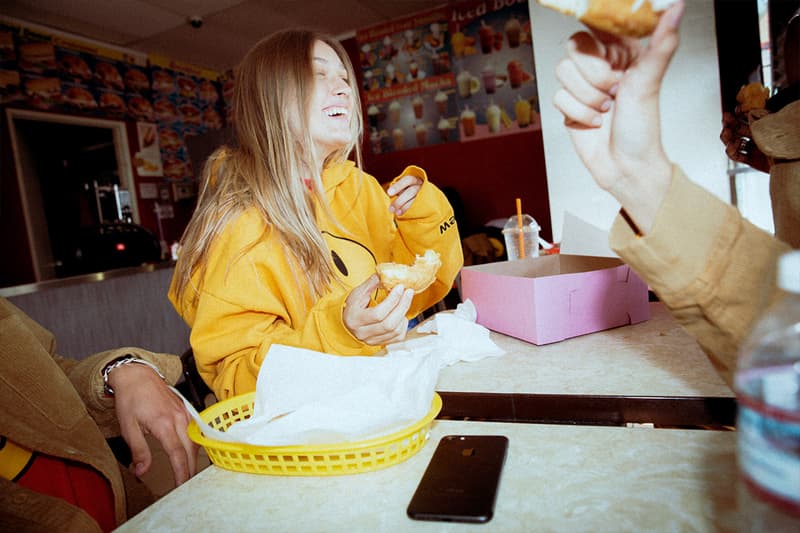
pixel 650 372
pixel 556 478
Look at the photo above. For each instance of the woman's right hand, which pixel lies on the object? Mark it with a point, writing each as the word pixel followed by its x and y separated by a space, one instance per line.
pixel 380 324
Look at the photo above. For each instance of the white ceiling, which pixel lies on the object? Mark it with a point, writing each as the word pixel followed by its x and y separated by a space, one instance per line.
pixel 230 27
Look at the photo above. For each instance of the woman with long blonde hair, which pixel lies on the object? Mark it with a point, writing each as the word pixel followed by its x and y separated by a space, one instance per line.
pixel 283 244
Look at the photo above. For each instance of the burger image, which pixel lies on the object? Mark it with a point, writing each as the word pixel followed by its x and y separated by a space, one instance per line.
pixel 75 66
pixel 80 98
pixel 43 92
pixel 6 45
pixel 190 114
pixel 165 110
pixel 136 80
pixel 187 87
pixel 108 75
pixel 208 93
pixel 9 82
pixel 163 82
pixel 211 118
pixel 170 139
pixel 140 108
pixel 227 90
pixel 175 168
pixel 112 102
pixel 37 57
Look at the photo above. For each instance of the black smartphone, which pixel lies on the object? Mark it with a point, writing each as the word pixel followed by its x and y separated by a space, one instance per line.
pixel 460 483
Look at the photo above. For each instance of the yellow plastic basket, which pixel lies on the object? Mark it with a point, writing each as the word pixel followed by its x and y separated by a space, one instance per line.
pixel 317 460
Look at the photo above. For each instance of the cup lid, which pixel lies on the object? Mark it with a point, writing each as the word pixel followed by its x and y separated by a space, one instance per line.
pixel 528 223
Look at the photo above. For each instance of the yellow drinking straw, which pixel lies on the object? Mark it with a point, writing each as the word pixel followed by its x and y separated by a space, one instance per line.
pixel 519 226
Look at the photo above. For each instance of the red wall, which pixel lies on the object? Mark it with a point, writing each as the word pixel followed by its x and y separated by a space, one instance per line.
pixel 488 174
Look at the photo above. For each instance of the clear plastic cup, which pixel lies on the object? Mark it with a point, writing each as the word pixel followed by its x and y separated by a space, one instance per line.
pixel 530 237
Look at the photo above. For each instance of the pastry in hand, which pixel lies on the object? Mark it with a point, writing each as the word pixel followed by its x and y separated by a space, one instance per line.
pixel 418 276
pixel 628 18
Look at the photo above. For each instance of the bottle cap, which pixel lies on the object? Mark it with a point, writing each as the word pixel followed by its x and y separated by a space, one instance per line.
pixel 789 271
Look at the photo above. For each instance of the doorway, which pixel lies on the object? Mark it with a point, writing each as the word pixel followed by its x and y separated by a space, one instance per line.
pixel 73 173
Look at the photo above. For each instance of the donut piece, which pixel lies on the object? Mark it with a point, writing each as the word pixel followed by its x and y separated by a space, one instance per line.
pixel 418 276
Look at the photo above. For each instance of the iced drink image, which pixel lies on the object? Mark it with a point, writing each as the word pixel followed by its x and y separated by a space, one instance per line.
pixel 441 102
pixel 397 138
pixel 486 36
pixel 522 110
pixel 458 41
pixel 515 73
pixel 375 141
pixel 489 77
pixel 468 122
pixel 372 115
pixel 444 129
pixel 421 131
pixel 463 81
pixel 512 28
pixel 413 69
pixel 493 117
pixel 418 106
pixel 394 111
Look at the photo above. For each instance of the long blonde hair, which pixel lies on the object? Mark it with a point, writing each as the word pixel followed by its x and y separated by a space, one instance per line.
pixel 268 167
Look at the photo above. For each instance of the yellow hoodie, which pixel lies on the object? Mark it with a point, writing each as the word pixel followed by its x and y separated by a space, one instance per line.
pixel 248 302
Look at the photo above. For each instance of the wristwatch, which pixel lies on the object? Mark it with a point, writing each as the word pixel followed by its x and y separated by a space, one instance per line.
pixel 125 360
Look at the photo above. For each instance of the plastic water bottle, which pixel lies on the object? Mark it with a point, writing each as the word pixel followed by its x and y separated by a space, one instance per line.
pixel 768 426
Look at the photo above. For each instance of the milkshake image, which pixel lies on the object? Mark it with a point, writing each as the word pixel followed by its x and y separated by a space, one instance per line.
pixel 493 117
pixel 489 77
pixel 372 115
pixel 421 131
pixel 522 110
pixel 397 138
pixel 418 106
pixel 394 111
pixel 468 122
pixel 512 29
pixel 441 102
pixel 444 129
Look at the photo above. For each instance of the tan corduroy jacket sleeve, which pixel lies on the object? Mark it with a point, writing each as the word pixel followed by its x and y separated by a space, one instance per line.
pixel 713 269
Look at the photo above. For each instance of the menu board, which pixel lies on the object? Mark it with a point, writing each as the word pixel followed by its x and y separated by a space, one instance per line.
pixel 494 69
pixel 460 72
pixel 10 81
pixel 186 101
pixel 407 81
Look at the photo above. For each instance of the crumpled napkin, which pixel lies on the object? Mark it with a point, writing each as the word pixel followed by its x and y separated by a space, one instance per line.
pixel 457 338
pixel 305 397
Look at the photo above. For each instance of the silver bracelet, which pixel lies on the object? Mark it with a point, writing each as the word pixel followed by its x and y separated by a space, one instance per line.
pixel 124 360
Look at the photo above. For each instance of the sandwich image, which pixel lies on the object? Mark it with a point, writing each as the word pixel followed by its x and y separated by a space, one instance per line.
pixel 108 75
pixel 80 98
pixel 75 66
pixel 37 57
pixel 136 80
pixel 163 82
pixel 187 87
pixel 140 108
pixel 112 102
pixel 208 93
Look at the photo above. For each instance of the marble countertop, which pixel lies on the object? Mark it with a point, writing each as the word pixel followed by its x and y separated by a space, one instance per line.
pixel 652 358
pixel 556 478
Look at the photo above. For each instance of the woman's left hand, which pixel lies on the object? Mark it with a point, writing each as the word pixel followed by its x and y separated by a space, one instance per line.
pixel 404 191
